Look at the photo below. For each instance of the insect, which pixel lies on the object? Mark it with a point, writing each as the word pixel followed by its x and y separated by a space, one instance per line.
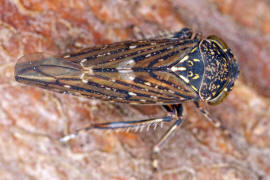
pixel 166 70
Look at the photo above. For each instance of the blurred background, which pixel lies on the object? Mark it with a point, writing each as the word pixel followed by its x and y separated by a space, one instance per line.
pixel 32 120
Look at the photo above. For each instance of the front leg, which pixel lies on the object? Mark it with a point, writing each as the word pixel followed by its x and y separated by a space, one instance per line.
pixel 215 122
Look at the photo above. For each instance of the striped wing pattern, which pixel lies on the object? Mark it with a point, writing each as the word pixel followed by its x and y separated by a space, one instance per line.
pixel 136 72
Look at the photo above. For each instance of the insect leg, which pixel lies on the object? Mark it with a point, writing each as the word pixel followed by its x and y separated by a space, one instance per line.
pixel 118 125
pixel 215 122
pixel 177 112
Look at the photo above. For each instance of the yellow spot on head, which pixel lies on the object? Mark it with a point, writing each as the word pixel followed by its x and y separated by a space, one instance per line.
pixel 196 60
pixel 196 76
pixel 190 73
pixel 190 63
pixel 194 49
pixel 193 87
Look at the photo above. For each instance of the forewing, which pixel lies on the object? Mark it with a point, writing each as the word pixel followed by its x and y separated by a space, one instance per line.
pixel 126 72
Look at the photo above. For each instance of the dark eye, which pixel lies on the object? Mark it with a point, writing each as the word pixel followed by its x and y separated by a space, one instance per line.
pixel 218 41
pixel 219 98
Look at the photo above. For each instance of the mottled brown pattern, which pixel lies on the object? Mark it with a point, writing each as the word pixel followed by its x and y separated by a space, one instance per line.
pixel 33 119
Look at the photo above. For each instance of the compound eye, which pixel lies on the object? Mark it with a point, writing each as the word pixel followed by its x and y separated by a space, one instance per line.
pixel 218 99
pixel 218 41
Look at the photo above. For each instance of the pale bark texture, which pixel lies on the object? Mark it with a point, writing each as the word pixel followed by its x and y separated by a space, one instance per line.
pixel 32 120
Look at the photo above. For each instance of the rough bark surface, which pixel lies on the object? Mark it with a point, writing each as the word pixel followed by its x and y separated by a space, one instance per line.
pixel 32 119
